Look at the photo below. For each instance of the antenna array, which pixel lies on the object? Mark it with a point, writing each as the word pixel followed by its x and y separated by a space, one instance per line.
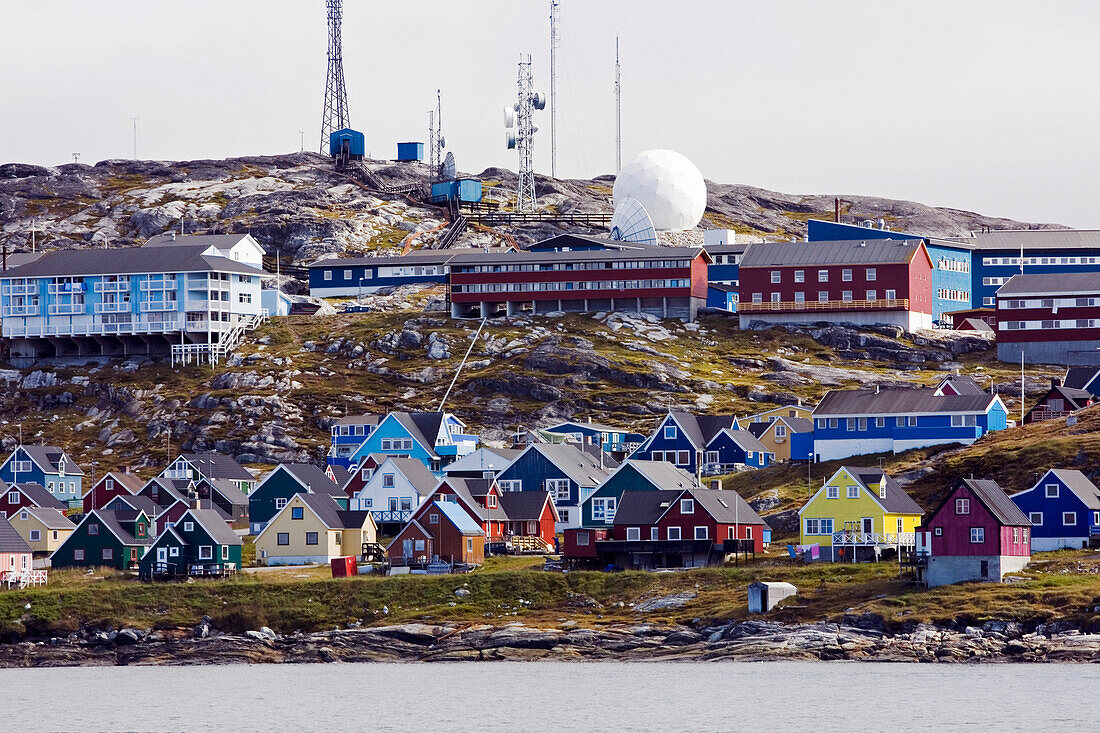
pixel 436 141
pixel 522 115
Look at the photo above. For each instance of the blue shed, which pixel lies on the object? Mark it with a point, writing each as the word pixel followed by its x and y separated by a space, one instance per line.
pixel 444 191
pixel 469 190
pixel 410 151
pixel 356 143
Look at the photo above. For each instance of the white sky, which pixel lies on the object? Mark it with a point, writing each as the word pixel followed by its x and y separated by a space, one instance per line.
pixel 987 105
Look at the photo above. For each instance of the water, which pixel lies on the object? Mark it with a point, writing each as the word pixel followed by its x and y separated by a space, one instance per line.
pixel 552 696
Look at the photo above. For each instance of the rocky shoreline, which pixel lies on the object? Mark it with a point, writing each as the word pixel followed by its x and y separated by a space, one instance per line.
pixel 856 639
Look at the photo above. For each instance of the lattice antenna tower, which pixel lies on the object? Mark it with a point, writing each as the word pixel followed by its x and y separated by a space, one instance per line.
pixel 555 41
pixel 436 141
pixel 618 112
pixel 522 115
pixel 335 114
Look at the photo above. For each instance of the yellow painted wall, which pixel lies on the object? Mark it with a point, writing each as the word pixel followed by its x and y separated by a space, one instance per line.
pixel 351 540
pixel 781 452
pixel 775 412
pixel 47 543
pixel 843 509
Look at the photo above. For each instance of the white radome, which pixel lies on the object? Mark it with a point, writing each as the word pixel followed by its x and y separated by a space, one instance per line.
pixel 668 185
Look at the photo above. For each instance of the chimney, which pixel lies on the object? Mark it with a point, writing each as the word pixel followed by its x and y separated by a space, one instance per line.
pixel 196 503
pixel 1055 382
pixel 124 469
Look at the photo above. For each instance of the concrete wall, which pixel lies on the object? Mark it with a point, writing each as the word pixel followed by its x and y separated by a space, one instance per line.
pixel 1049 544
pixel 909 321
pixel 1047 352
pixel 947 569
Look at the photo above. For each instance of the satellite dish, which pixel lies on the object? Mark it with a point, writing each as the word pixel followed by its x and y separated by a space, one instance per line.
pixel 534 129
pixel 442 142
pixel 509 117
pixel 510 139
pixel 539 100
pixel 515 107
pixel 631 223
pixel 448 170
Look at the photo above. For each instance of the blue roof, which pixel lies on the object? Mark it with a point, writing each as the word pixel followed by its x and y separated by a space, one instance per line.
pixel 459 517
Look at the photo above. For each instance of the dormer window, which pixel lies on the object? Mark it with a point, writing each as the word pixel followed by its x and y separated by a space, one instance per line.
pixel 882 490
pixel 492 500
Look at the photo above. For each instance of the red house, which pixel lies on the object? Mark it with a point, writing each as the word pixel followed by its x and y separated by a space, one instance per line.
pixel 976 533
pixel 442 532
pixel 1058 402
pixel 109 486
pixel 1049 318
pixel 530 514
pixel 668 282
pixel 358 477
pixel 479 497
pixel 17 496
pixel 862 282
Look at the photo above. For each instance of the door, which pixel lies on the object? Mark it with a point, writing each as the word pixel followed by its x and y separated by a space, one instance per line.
pixel 868 525
pixel 985 568
pixel 162 554
pixel 407 548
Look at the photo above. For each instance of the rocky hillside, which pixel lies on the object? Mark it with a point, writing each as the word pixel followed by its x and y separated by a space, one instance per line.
pixel 298 207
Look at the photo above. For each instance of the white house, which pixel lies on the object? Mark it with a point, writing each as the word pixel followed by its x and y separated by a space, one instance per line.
pixel 395 490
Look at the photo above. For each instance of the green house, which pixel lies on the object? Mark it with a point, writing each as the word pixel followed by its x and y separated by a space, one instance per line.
pixel 108 539
pixel 200 542
pixel 598 510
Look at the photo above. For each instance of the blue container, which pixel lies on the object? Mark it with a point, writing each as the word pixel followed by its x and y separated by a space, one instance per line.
pixel 357 143
pixel 469 189
pixel 410 151
pixel 444 191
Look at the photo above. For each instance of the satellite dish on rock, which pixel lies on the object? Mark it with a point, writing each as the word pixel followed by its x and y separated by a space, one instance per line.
pixel 631 223
pixel 448 172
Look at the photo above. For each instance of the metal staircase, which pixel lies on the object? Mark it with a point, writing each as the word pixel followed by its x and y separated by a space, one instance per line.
pixel 214 353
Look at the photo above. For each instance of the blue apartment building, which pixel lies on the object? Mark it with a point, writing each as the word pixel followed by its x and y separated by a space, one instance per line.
pixel 350 277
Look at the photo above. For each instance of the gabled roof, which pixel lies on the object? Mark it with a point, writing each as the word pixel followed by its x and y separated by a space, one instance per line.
pixel 130 481
pixel 458 516
pixel 844 252
pixel 746 440
pixel 39 495
pixel 469 490
pixel 169 491
pixel 214 526
pixel 725 506
pixel 583 468
pixel 962 384
pixel 484 459
pixel 1076 482
pixel 899 401
pixel 141 503
pixel 1075 398
pixel 794 425
pixel 598 427
pixel 1081 377
pixel 217 465
pixel 359 419
pixel 701 429
pixel 996 501
pixel 227 489
pixel 661 474
pixel 181 257
pixel 643 507
pixel 525 506
pixel 312 478
pixel 49 517
pixel 341 474
pixel 48 458
pixel 1063 283
pixel 422 427
pixel 10 540
pixel 329 512
pixel 217 241
pixel 113 522
pixel 414 471
pixel 896 500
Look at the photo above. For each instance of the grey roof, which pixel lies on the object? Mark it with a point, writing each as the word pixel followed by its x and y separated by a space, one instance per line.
pixel 50 518
pixel 141 503
pixel 1064 283
pixel 848 252
pixel 1080 377
pixel 313 478
pixel 130 261
pixel 419 257
pixel 1075 398
pixel 217 465
pixel 341 474
pixel 701 429
pixel 974 324
pixel 171 239
pixel 459 518
pixel 40 495
pixel 1013 239
pixel 581 467
pixel 963 384
pixel 130 481
pixel 10 540
pixel 599 427
pixel 643 507
pixel 325 507
pixel 898 402
pixel 468 489
pixel 994 498
pixel 662 474
pixel 896 500
pixel 1079 484
pixel 726 506
pixel 509 257
pixel 524 506
pixel 113 521
pixel 215 526
pixel 423 480
pixel 484 459
pixel 49 457
pixel 18 259
pixel 726 249
pixel 360 420
pixel 229 490
pixel 168 491
pixel 747 441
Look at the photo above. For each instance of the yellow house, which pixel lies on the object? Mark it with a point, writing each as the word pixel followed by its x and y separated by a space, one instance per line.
pixel 769 415
pixel 777 435
pixel 859 513
pixel 312 528
pixel 43 528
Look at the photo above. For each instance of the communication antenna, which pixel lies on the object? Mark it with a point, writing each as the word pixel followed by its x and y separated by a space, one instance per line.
pixel 522 140
pixel 555 41
pixel 335 113
pixel 436 141
pixel 135 121
pixel 631 223
pixel 618 112
pixel 448 171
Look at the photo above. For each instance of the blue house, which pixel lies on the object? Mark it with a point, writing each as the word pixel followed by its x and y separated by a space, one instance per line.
pixel 707 444
pixel 46 466
pixel 598 510
pixel 721 296
pixel 952 261
pixel 434 438
pixel 350 277
pixel 348 433
pixel 1064 509
pixel 286 480
pixel 611 439
pixel 1085 378
pixel 873 420
pixel 567 472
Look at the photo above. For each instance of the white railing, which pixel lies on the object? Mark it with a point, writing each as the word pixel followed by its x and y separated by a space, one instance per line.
pixel 229 340
pixel 873 538
pixel 25 289
pixel 193 303
pixel 66 309
pixel 20 310
pixel 148 306
pixel 23 578
pixel 113 307
pixel 96 328
pixel 111 286
pixel 148 286
pixel 64 288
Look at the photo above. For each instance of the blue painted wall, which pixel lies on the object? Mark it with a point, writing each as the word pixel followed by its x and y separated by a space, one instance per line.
pixel 63 488
pixel 625 479
pixel 356 142
pixel 390 428
pixel 365 276
pixel 1049 261
pixel 410 151
pixel 1052 509
pixel 532 469
pixel 728 451
pixel 724 299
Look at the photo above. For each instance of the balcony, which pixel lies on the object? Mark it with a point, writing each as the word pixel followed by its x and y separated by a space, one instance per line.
pixel 392 516
pixel 151 286
pixel 123 307
pixel 67 309
pixel 824 305
pixel 20 310
pixel 906 539
pixel 111 286
pixel 154 306
pixel 64 288
pixel 96 328
pixel 24 289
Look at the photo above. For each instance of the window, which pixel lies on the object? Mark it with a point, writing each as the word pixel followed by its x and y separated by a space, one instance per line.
pixel 822 296
pixel 490 501
pixel 206 552
pixel 433 518
pixel 880 422
pixel 853 492
pixel 36 535
pixel 912 422
pixel 583 537
pixel 1015 534
pixel 823 276
pixel 603 510
pixel 891 294
pixel 901 525
pixel 862 424
pixel 962 506
pixel 173 552
pixel 108 553
pixel 387 481
pixel 674 533
pixel 280 503
pixel 781 431
pixel 1051 491
pixel 563 516
pixel 297 512
pixel 712 457
pixel 188 526
pixel 872 295
pixel 899 422
pixel 939 532
pixel 977 535
pixel 654 534
pixel 633 534
pixel 687 506
pixel 558 488
pixel 683 458
pixel 748 533
pixel 846 296
pixel 78 554
pixel 1069 518
pixel 775 297
pixel 347 274
pixel 469 544
pixel 311 538
pixel 850 424
pixel 510 485
pixel 776 276
pixel 670 432
pixel 1036 518
pixel 800 297
pixel 832 492
pixel 13 497
pixel 93 529
pixel 757 297
pixel 800 276
pixel 701 533
pixel 872 274
pixel 846 275
pixel 283 538
pixel 245 297
pixel 366 474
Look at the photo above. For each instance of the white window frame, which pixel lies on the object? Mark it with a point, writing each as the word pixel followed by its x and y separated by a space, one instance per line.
pixel 1069 518
pixel 687 506
pixel 669 534
pixel 1036 518
pixel 705 534
pixel 832 492
pixel 633 534
pixel 977 535
pixel 962 506
pixel 206 552
pixel 1050 491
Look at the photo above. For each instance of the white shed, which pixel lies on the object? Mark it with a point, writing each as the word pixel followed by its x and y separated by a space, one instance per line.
pixel 763 597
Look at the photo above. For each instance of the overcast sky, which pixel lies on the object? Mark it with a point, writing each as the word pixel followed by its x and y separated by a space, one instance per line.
pixel 991 106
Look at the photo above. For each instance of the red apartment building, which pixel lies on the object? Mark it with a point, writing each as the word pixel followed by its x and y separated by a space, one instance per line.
pixel 1049 319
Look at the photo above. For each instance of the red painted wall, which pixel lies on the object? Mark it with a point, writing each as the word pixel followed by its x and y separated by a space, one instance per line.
pixel 172 514
pixel 696 273
pixel 100 494
pixel 8 508
pixel 570 548
pixel 955 539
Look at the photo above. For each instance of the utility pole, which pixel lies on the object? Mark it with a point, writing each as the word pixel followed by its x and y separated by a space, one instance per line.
pixel 76 157
pixel 555 41
pixel 135 121
pixel 302 135
pixel 618 111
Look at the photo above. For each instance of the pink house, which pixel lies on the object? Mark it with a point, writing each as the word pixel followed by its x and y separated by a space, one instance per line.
pixel 976 533
pixel 15 553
